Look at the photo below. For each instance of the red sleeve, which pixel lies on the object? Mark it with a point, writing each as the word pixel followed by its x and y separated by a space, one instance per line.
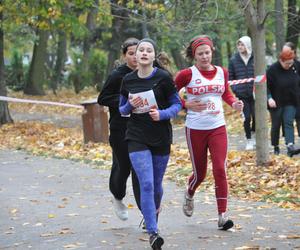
pixel 182 79
pixel 227 96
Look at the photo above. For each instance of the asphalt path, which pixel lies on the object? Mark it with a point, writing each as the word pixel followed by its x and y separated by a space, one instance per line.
pixel 49 203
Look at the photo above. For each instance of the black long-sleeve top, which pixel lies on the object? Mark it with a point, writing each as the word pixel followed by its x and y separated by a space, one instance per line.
pixel 284 85
pixel 110 96
pixel 141 127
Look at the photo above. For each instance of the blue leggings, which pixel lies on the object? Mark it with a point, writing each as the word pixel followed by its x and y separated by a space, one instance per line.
pixel 150 170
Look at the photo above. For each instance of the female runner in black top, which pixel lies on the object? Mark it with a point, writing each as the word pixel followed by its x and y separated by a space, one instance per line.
pixel 150 97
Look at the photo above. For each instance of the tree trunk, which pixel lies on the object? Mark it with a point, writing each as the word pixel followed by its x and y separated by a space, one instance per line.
pixel 255 22
pixel 61 55
pixel 293 24
pixel 145 31
pixel 217 58
pixel 91 26
pixel 4 112
pixel 228 50
pixel 119 26
pixel 37 69
pixel 178 59
pixel 279 25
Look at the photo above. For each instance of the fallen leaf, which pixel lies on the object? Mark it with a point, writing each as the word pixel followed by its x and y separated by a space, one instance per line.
pixel 261 228
pixel 245 215
pixel 143 239
pixel 73 214
pixel 13 211
pixel 130 206
pixel 46 234
pixel 295 236
pixel 247 248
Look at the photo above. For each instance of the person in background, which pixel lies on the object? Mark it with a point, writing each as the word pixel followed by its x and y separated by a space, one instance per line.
pixel 241 66
pixel 206 87
pixel 151 99
pixel 283 81
pixel 121 165
pixel 297 67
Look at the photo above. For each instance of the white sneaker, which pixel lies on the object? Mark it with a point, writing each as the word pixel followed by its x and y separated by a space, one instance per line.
pixel 249 144
pixel 120 209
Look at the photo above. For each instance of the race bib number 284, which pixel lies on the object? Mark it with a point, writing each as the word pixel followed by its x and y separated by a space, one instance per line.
pixel 148 101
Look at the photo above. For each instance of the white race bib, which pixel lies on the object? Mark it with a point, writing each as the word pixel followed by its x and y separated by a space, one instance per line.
pixel 148 99
pixel 212 107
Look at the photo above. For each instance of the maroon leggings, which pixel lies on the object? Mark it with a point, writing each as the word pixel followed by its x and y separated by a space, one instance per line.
pixel 199 142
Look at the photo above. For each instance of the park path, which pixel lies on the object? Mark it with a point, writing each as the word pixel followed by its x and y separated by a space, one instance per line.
pixel 51 203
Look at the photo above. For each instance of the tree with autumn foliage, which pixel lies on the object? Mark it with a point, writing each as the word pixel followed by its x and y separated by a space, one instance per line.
pixel 4 112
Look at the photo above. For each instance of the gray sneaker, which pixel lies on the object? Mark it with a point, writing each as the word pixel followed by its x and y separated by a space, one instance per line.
pixel 120 209
pixel 188 205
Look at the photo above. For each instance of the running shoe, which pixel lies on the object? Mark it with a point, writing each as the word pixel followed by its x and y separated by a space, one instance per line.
pixel 188 205
pixel 156 241
pixel 224 223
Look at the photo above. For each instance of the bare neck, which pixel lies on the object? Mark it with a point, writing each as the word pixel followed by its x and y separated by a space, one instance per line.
pixel 144 71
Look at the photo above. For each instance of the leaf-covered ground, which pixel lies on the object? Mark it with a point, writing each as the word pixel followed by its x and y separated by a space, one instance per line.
pixel 279 182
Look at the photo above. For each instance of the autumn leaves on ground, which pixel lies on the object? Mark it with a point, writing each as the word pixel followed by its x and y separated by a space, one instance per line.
pixel 279 182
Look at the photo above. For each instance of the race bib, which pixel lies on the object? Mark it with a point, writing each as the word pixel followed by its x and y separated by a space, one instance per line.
pixel 212 107
pixel 148 101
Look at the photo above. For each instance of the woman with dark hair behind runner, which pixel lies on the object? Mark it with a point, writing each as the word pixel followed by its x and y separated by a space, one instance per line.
pixel 206 87
pixel 297 67
pixel 283 81
pixel 121 165
pixel 151 99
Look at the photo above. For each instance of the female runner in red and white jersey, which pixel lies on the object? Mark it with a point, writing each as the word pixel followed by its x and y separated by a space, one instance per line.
pixel 206 86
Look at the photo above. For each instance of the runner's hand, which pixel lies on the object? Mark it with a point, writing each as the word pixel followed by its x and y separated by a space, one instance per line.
pixel 154 114
pixel 196 106
pixel 135 101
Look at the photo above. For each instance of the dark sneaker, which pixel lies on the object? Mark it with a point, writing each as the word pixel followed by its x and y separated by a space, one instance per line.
pixel 224 223
pixel 276 150
pixel 294 152
pixel 156 241
pixel 290 150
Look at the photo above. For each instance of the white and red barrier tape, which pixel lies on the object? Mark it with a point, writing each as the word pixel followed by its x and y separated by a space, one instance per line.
pixel 11 99
pixel 257 79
